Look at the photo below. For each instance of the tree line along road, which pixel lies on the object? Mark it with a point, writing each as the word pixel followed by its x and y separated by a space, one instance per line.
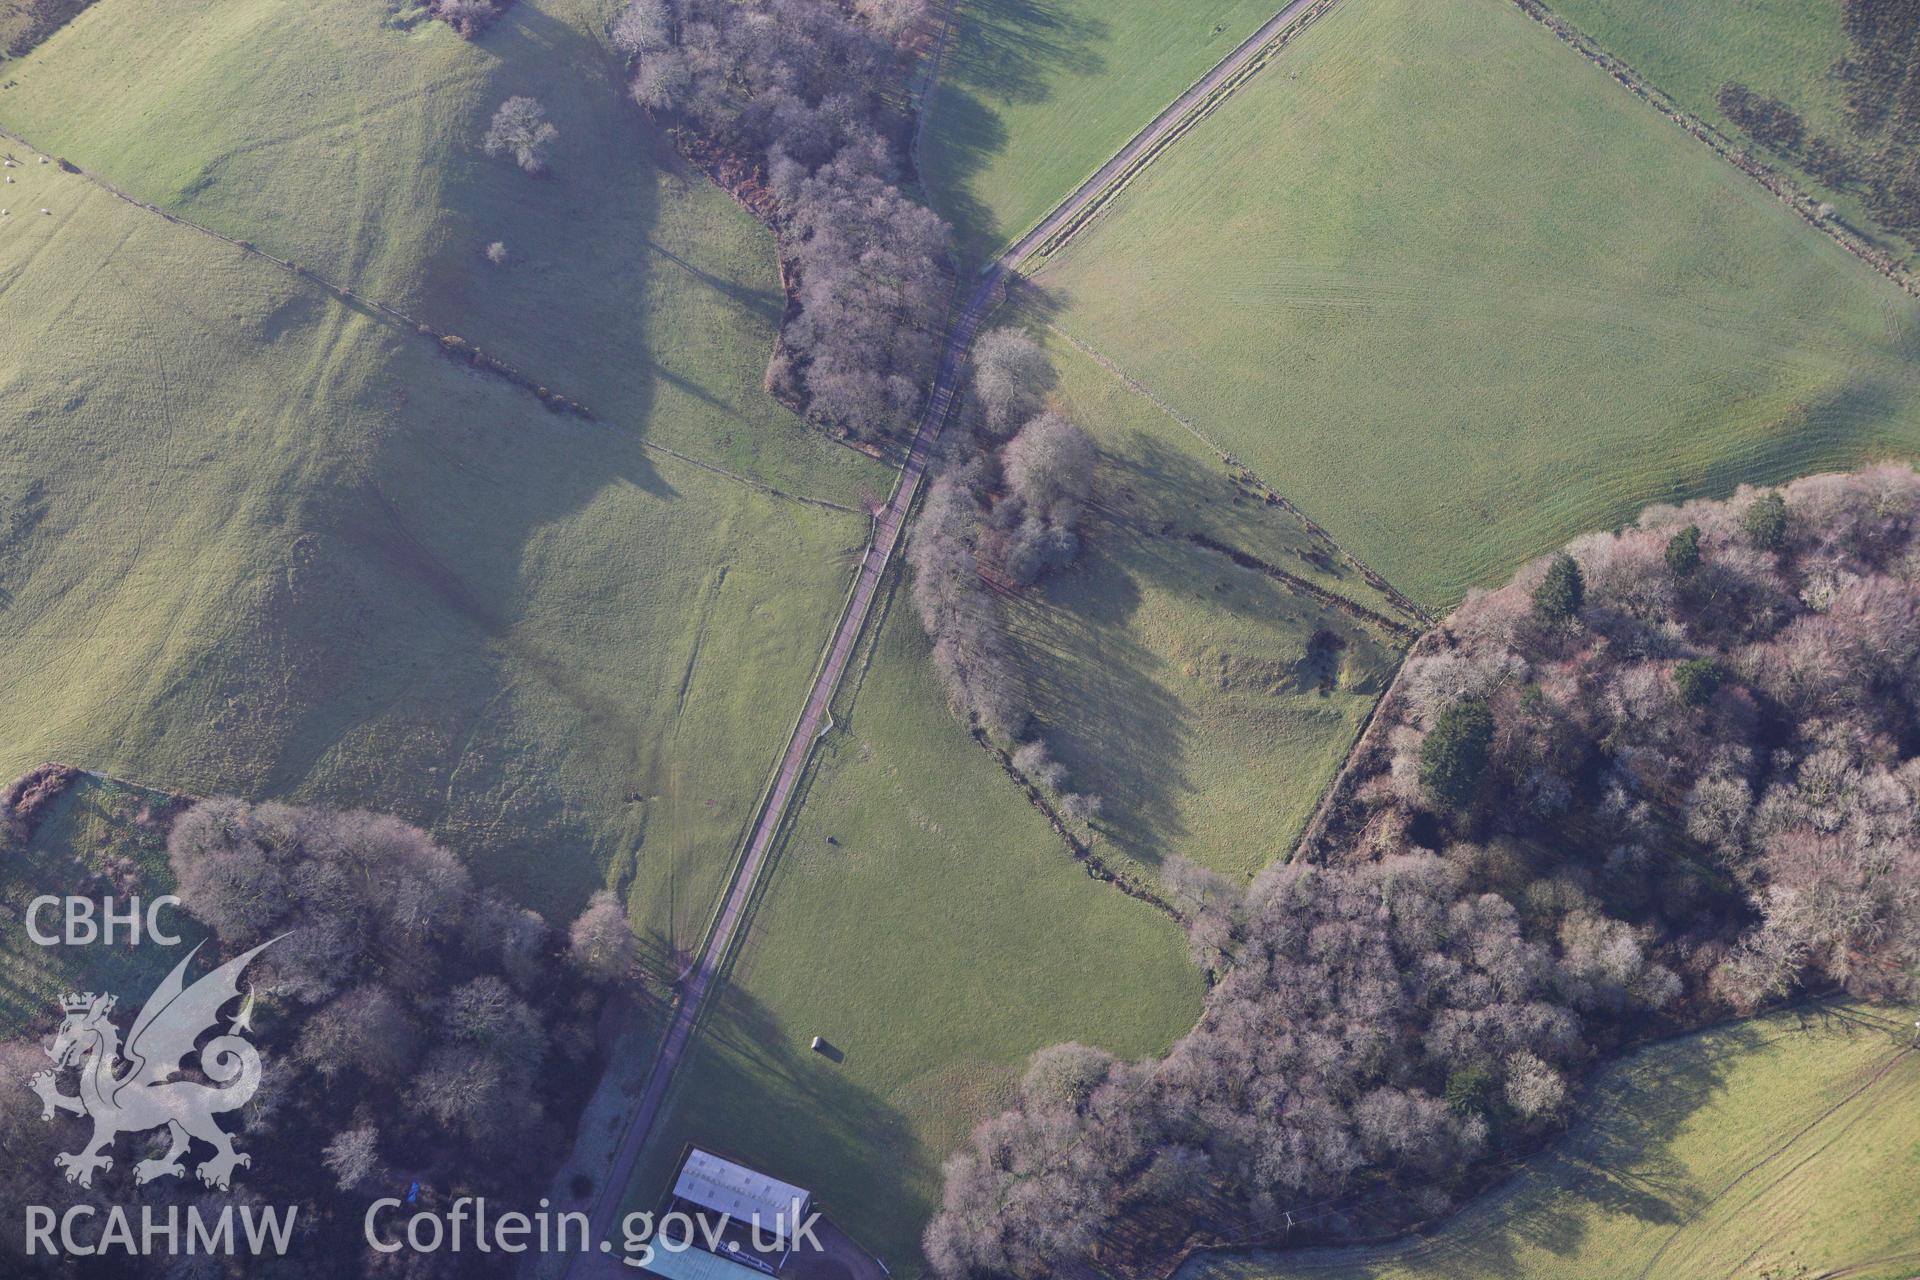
pixel 699 983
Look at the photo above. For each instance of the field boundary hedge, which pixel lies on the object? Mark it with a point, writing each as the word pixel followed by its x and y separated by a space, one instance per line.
pixel 1805 206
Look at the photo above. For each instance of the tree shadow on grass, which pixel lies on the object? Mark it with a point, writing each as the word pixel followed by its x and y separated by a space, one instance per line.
pixel 756 1092
pixel 409 655
pixel 1006 52
pixel 1103 701
pixel 1617 1161
pixel 1828 430
pixel 1107 702
pixel 764 303
pixel 1011 48
pixel 570 305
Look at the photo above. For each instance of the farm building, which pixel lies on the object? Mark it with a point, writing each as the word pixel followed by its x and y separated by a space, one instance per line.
pixel 760 1214
pixel 719 1185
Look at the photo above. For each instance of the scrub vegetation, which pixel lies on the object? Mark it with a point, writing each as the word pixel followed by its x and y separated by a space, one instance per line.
pixel 1490 912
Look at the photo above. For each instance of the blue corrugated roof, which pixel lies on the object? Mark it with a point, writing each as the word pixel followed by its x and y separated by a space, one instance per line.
pixel 698 1264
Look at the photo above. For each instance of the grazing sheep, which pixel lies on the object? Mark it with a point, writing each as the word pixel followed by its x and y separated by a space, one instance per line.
pixel 48 212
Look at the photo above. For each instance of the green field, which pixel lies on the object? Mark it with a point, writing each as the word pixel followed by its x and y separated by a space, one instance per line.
pixel 255 539
pixel 1785 49
pixel 1183 689
pixel 941 937
pixel 1780 1149
pixel 306 126
pixel 1446 285
pixel 1034 97
pixel 924 920
pixel 24 23
pixel 100 839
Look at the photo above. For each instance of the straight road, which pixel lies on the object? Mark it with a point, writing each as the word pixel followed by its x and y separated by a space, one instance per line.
pixel 1148 138
pixel 699 985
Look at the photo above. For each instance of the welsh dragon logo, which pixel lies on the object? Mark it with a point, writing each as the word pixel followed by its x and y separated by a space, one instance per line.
pixel 136 1089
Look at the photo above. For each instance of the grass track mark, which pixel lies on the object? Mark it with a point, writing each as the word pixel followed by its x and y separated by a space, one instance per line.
pixel 1880 1073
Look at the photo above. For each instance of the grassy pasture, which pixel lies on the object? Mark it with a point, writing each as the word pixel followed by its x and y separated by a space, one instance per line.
pixel 257 541
pixel 100 839
pixel 941 937
pixel 1446 285
pixel 313 130
pixel 25 23
pixel 937 935
pixel 1034 97
pixel 1782 1147
pixel 1785 49
pixel 1187 691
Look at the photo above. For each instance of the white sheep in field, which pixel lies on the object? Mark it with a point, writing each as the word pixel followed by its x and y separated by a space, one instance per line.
pixel 48 212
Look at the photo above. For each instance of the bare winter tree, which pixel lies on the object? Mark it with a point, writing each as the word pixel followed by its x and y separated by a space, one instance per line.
pixel 1011 376
pixel 520 129
pixel 1049 467
pixel 468 17
pixel 600 944
pixel 353 1157
pixel 643 27
pixel 27 1173
pixel 402 1009
pixel 1388 1012
pixel 1081 806
pixel 1534 1090
pixel 1034 760
pixel 465 1090
pixel 368 1030
pixel 892 18
pixel 798 94
pixel 871 297
pixel 971 651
